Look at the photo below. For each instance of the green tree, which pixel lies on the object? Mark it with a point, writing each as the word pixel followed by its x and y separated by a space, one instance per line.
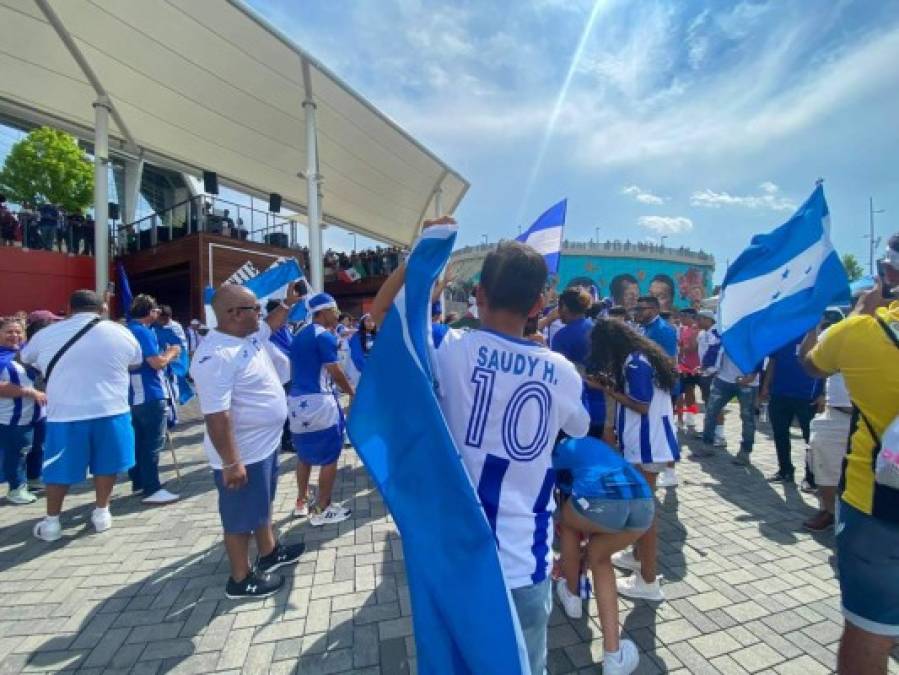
pixel 854 270
pixel 48 166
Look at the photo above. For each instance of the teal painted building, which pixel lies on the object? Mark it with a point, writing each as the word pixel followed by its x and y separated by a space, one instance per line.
pixel 614 268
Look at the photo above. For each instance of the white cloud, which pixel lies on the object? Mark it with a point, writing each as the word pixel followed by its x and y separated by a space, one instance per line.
pixel 642 196
pixel 770 198
pixel 666 224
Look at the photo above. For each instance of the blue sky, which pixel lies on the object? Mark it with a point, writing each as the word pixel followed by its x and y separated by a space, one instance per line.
pixel 705 122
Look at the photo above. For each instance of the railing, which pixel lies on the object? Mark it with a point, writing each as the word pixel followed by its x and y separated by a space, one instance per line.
pixel 210 215
pixel 609 246
pixel 62 235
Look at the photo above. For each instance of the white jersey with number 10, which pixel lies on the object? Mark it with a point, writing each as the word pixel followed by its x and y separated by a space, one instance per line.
pixel 505 401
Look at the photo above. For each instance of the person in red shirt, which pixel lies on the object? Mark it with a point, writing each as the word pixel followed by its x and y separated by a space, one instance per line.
pixel 688 365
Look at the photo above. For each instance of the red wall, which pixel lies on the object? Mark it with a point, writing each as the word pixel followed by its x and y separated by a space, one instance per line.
pixel 33 280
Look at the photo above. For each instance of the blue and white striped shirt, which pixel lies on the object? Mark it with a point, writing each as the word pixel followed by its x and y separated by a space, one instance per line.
pixel 19 411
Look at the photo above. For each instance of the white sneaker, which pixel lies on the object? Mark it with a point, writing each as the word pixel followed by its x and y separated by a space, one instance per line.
pixel 335 513
pixel 102 519
pixel 161 496
pixel 300 508
pixel 625 560
pixel 636 588
pixel 667 478
pixel 21 495
pixel 47 531
pixel 623 662
pixel 571 603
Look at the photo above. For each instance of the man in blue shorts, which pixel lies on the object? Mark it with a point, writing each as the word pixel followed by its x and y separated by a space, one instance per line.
pixel 316 420
pixel 85 361
pixel 244 408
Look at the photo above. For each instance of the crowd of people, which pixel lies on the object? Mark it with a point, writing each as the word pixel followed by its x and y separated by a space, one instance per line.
pixel 47 227
pixel 373 262
pixel 615 385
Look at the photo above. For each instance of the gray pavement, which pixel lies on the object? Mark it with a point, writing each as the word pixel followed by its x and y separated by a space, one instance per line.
pixel 748 590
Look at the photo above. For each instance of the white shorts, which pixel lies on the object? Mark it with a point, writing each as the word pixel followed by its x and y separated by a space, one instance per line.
pixel 827 446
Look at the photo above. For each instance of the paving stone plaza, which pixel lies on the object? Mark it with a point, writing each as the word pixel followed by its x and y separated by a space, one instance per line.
pixel 748 590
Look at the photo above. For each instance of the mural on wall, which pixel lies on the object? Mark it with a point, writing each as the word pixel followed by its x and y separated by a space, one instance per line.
pixel 676 284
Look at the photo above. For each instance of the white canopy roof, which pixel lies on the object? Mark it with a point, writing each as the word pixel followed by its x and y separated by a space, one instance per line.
pixel 208 84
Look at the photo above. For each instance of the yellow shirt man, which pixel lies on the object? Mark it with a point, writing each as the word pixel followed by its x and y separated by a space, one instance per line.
pixel 861 349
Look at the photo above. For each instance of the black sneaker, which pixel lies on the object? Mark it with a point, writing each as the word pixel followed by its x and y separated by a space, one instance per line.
pixel 780 478
pixel 256 585
pixel 281 556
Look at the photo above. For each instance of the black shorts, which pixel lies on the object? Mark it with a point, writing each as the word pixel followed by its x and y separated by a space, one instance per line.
pixel 691 380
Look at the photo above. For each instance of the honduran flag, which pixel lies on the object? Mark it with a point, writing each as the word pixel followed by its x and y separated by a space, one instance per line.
pixel 269 284
pixel 462 611
pixel 780 286
pixel 545 235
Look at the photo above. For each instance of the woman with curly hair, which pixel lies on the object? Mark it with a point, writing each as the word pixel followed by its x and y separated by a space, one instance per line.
pixel 635 372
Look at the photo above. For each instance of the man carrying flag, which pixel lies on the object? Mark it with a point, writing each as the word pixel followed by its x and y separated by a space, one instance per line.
pixel 503 401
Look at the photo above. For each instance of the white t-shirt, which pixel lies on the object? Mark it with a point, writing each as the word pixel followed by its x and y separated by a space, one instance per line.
pixel 505 400
pixel 236 374
pixel 729 372
pixel 91 379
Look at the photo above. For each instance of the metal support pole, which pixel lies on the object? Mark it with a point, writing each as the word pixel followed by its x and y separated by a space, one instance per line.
pixel 438 202
pixel 101 193
pixel 316 271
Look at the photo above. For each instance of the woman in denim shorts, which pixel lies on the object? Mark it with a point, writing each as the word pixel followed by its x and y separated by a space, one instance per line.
pixel 609 501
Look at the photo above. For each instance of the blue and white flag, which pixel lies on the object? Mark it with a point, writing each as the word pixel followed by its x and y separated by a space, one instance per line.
pixel 269 284
pixel 462 610
pixel 545 235
pixel 125 294
pixel 779 287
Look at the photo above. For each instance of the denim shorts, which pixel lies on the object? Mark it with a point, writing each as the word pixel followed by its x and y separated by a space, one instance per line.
pixel 533 604
pixel 616 515
pixel 868 569
pixel 248 508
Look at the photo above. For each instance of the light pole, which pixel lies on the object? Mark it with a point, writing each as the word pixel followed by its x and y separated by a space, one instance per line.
pixel 597 234
pixel 874 242
pixel 353 235
pixel 663 238
pixel 485 239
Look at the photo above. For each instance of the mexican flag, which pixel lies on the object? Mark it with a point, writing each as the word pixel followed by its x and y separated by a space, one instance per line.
pixel 348 275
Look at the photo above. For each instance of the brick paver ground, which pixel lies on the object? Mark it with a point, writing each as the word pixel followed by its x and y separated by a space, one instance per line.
pixel 748 590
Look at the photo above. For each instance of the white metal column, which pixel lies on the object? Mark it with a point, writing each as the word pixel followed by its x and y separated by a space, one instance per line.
pixel 313 211
pixel 101 193
pixel 438 202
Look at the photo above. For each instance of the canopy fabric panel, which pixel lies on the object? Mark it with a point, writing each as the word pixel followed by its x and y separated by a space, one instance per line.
pixel 208 84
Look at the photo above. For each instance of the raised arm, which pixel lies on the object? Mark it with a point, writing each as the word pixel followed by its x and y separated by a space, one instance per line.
pixel 391 288
pixel 278 316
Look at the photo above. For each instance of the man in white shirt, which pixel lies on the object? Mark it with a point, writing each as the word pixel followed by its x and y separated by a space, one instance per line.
pixel 731 382
pixel 244 406
pixel 505 400
pixel 88 416
pixel 194 338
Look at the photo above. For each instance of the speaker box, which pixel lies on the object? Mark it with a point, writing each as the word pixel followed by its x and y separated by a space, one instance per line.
pixel 113 209
pixel 210 182
pixel 277 239
pixel 274 202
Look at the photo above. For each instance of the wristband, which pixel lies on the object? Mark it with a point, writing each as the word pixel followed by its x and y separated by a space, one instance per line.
pixel 284 305
pixel 230 466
